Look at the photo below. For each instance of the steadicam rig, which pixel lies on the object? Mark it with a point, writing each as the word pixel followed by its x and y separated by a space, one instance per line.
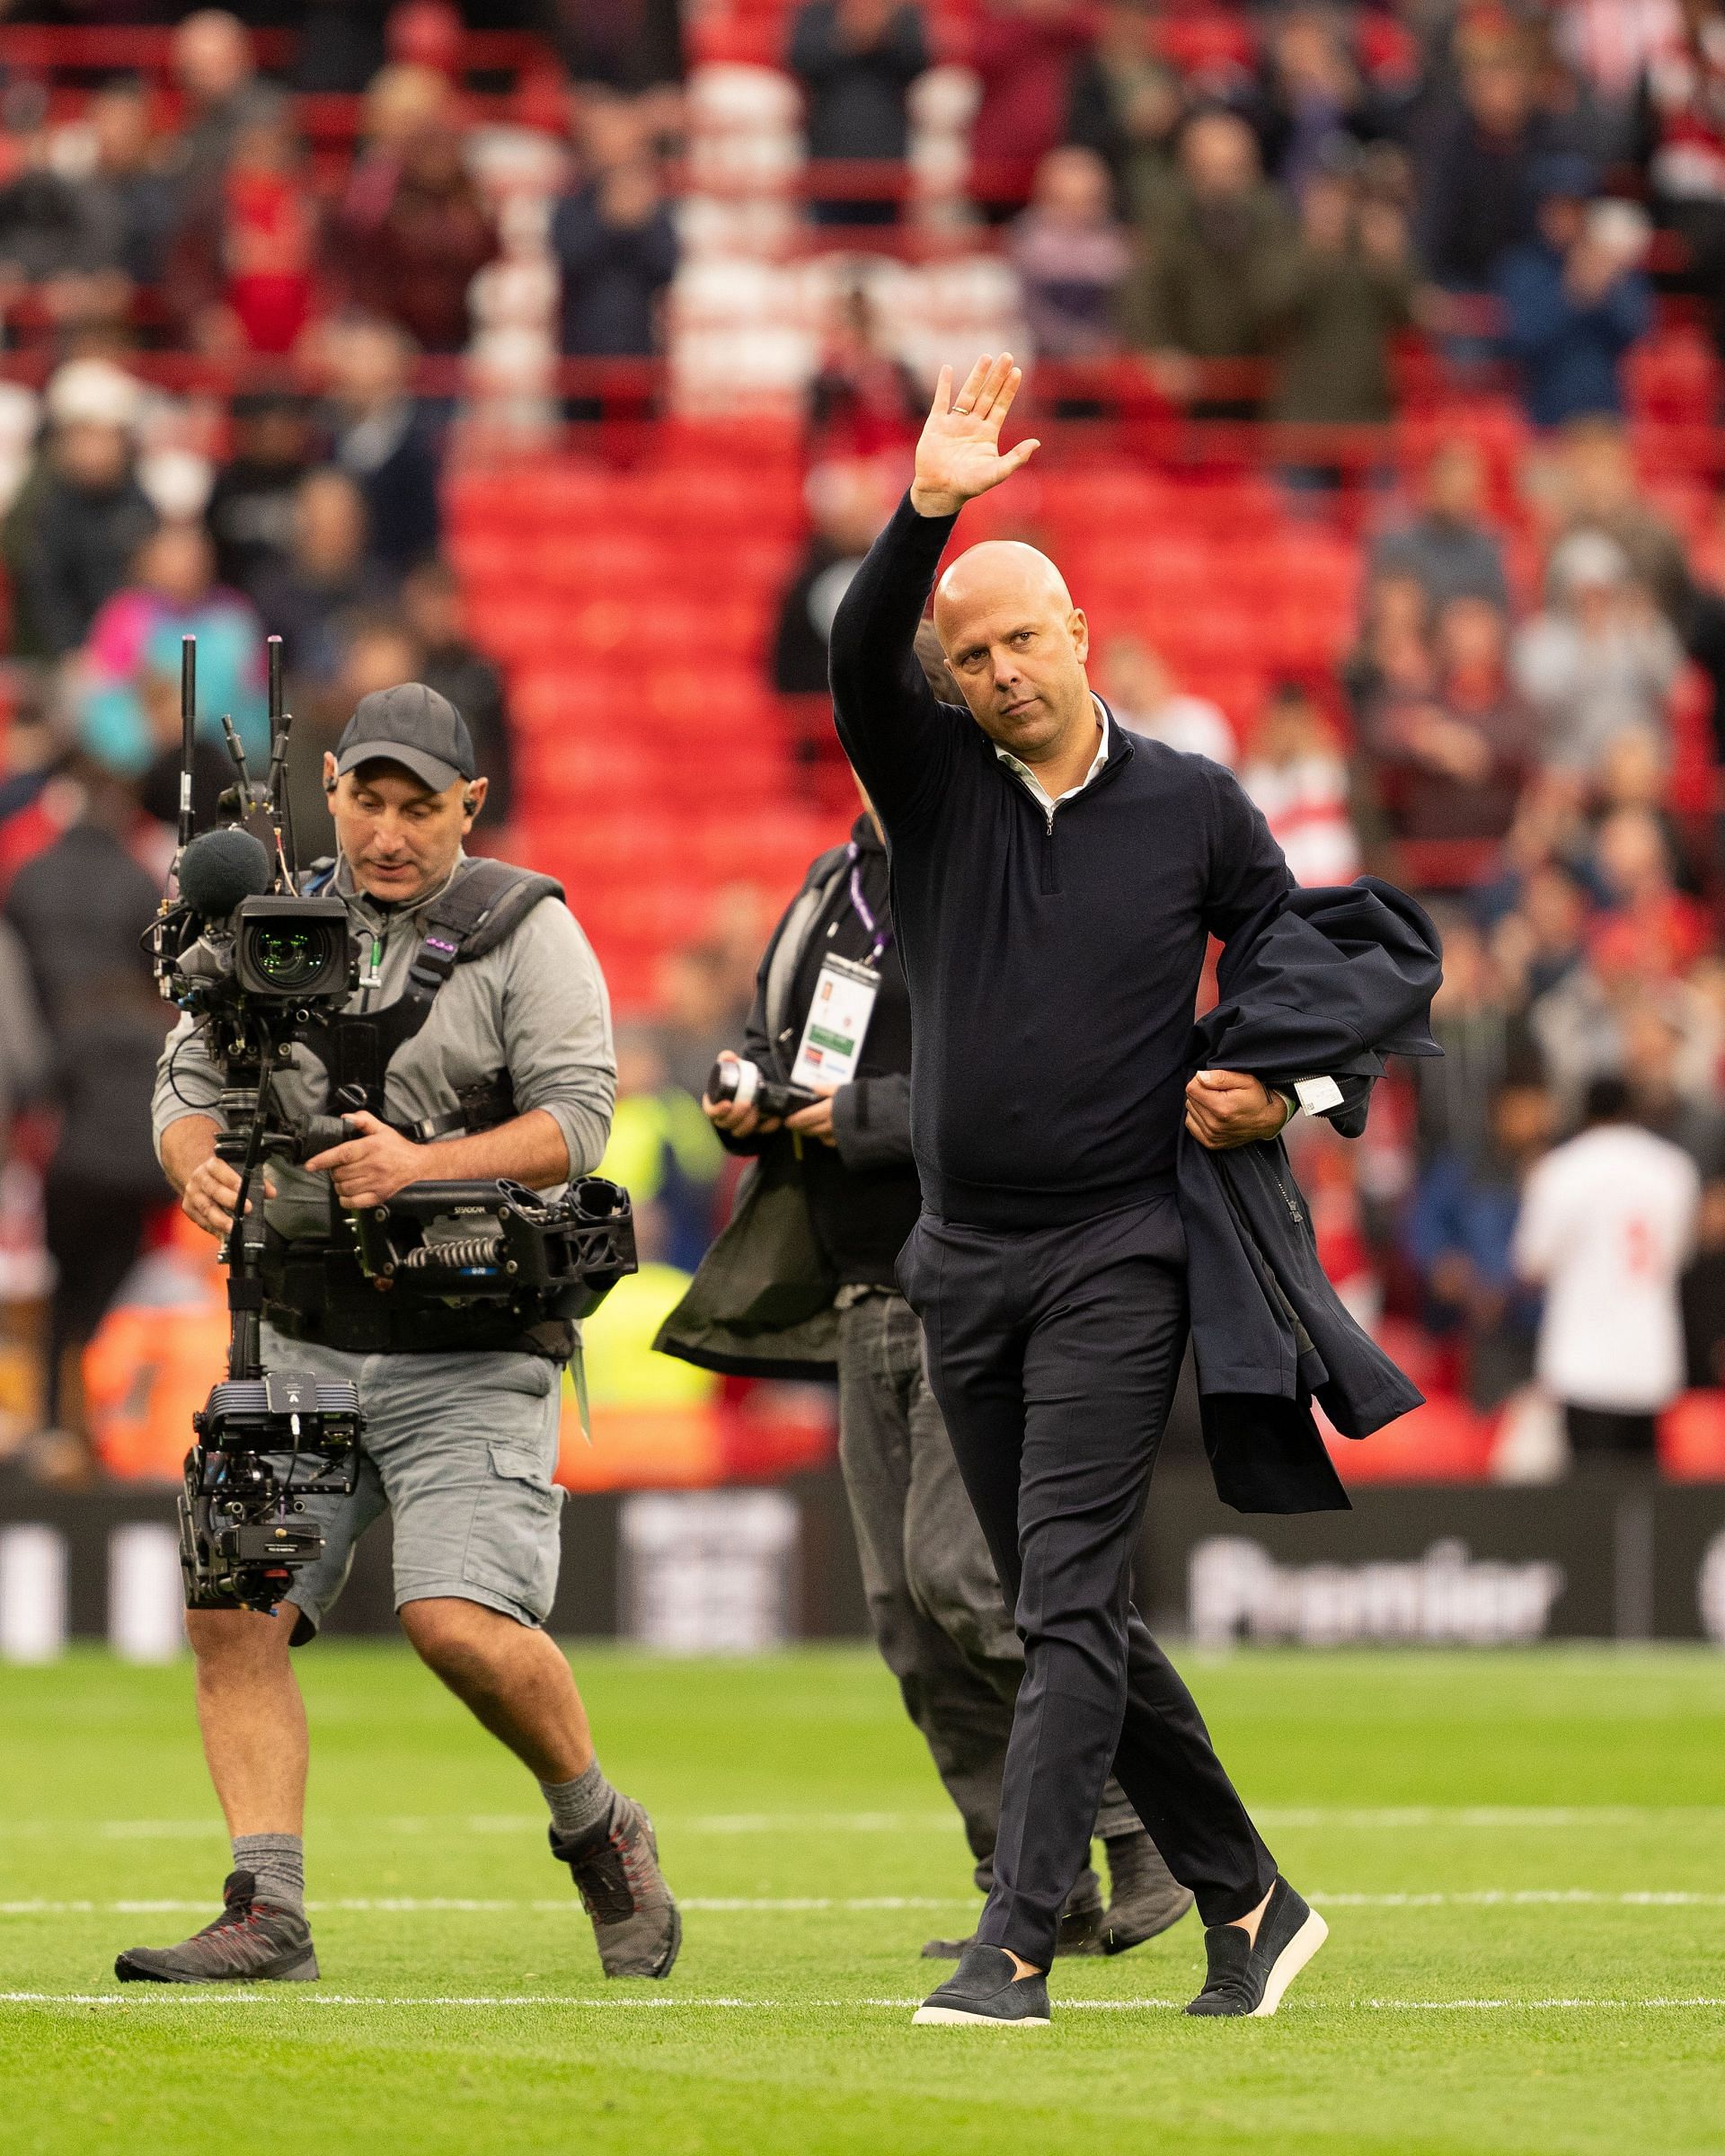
pixel 265 972
pixel 252 962
pixel 501 1243
pixel 264 1445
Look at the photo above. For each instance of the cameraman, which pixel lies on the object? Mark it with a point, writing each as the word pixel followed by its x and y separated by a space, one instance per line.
pixel 934 1602
pixel 461 1406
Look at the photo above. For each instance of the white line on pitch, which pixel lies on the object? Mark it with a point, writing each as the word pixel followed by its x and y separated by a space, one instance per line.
pixel 176 1995
pixel 1393 1818
pixel 1492 1897
pixel 1491 1816
pixel 440 1904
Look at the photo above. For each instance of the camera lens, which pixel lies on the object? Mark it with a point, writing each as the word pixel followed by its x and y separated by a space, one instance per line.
pixel 732 1080
pixel 287 946
pixel 289 958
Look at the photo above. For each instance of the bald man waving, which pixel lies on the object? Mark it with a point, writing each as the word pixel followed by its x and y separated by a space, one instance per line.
pixel 1054 881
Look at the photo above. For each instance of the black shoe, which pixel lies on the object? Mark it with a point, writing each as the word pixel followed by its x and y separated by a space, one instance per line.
pixel 251 1941
pixel 1144 1897
pixel 984 1993
pixel 635 1921
pixel 1083 1931
pixel 1248 1979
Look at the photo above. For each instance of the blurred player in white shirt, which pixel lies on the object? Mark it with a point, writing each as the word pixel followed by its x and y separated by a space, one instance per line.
pixel 1607 1224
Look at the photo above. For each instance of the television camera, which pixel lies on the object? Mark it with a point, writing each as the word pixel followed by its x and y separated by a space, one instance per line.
pixel 259 965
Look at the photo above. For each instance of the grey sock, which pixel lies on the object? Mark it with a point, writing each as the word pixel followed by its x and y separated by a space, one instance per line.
pixel 277 1863
pixel 577 1807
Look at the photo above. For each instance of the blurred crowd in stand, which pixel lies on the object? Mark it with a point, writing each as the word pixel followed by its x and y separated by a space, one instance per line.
pixel 244 343
pixel 1293 192
pixel 1260 200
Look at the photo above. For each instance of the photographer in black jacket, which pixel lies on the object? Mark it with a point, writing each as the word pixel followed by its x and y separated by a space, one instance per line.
pixel 802 1283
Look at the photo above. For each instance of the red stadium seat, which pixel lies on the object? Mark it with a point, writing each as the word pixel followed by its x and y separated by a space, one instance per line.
pixel 1387 50
pixel 603 562
pixel 1445 1441
pixel 1691 1438
pixel 710 705
pixel 1694 775
pixel 606 625
pixel 1674 376
pixel 547 700
pixel 1209 43
pixel 614 766
pixel 525 623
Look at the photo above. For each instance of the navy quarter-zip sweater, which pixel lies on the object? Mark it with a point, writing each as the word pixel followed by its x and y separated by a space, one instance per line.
pixel 1053 959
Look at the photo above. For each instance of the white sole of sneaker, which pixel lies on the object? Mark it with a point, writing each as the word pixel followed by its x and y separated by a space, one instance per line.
pixel 1289 1962
pixel 955 2016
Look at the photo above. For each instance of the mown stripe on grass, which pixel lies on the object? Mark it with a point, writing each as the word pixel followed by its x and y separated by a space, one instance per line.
pixel 1484 1897
pixel 191 1996
pixel 1391 1818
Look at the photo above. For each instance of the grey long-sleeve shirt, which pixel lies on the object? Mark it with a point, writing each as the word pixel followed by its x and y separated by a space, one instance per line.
pixel 535 1006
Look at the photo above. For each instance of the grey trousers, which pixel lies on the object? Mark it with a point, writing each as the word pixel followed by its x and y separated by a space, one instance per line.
pixel 934 1600
pixel 460 1449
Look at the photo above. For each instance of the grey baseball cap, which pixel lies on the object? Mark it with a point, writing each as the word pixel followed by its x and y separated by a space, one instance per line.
pixel 412 726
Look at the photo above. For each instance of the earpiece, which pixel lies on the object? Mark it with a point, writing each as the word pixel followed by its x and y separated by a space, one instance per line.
pixel 470 804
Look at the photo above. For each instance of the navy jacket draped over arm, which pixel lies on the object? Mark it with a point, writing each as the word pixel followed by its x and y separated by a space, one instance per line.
pixel 1329 982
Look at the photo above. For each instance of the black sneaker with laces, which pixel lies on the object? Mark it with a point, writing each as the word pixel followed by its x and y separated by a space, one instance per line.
pixel 635 1921
pixel 984 1992
pixel 1249 1978
pixel 251 1941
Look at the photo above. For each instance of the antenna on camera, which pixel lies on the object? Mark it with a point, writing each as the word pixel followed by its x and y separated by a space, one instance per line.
pixel 236 751
pixel 281 813
pixel 188 732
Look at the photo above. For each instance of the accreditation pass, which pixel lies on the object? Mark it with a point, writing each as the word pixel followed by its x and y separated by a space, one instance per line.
pixel 837 1022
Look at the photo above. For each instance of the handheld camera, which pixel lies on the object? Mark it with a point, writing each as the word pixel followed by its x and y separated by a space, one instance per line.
pixel 749 1085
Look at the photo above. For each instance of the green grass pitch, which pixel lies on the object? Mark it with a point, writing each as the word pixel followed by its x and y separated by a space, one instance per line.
pixel 1519 1857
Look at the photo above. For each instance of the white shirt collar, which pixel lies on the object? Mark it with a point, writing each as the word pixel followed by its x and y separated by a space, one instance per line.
pixel 1034 785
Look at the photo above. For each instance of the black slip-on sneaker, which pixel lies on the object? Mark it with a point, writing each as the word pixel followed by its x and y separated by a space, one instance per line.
pixel 250 1942
pixel 636 1924
pixel 1145 1898
pixel 1248 1977
pixel 1083 1931
pixel 983 1993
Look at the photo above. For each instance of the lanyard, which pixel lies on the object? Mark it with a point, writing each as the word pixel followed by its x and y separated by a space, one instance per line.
pixel 882 936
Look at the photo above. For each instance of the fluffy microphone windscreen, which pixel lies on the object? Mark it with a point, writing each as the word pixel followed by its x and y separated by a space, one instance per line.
pixel 219 868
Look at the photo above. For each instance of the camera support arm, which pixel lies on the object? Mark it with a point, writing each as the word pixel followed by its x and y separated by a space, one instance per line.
pixel 243 1253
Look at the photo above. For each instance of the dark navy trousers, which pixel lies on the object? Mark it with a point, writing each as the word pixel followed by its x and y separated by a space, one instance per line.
pixel 1053 1353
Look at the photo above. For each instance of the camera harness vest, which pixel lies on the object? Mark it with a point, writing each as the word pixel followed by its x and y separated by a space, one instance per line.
pixel 315 1291
pixel 472 916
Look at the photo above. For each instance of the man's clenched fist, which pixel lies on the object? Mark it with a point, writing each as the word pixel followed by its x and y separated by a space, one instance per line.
pixel 211 1192
pixel 369 1170
pixel 1227 1108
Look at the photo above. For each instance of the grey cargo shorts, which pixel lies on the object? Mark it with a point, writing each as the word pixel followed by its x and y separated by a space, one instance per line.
pixel 460 1449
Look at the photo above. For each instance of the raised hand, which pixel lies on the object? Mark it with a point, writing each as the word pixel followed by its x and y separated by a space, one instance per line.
pixel 959 455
